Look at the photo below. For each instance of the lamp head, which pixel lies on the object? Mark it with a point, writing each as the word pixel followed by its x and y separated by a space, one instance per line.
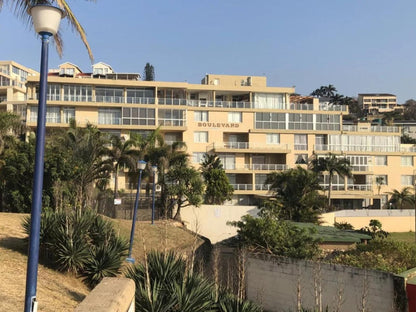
pixel 154 168
pixel 141 164
pixel 46 18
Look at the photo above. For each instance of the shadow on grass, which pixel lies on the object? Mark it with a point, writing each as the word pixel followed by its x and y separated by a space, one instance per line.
pixel 15 244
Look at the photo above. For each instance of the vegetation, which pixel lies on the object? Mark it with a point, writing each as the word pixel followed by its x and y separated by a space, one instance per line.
pixel 332 165
pixel 149 72
pixel 297 195
pixel 164 282
pixel 218 187
pixel 402 199
pixel 283 238
pixel 21 7
pixel 82 243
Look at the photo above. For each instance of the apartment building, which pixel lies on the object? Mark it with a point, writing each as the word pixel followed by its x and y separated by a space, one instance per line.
pixel 375 103
pixel 255 129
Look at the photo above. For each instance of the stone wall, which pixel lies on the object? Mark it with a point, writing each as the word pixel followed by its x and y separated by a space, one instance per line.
pixel 282 284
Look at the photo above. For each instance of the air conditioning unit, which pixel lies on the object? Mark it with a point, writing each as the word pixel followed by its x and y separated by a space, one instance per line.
pixel 158 188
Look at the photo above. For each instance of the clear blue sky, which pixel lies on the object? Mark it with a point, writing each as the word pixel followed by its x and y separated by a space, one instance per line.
pixel 360 46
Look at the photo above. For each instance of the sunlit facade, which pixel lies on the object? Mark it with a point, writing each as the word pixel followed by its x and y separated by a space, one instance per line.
pixel 255 129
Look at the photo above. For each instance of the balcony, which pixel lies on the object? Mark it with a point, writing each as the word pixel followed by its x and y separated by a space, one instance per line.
pixel 350 187
pixel 355 148
pixel 385 129
pixel 166 101
pixel 241 146
pixel 267 167
pixel 170 122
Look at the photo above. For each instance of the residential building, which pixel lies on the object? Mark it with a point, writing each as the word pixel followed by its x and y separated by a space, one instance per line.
pixel 255 129
pixel 375 103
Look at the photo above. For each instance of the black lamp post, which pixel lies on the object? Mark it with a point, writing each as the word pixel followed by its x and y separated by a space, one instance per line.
pixel 141 165
pixel 46 19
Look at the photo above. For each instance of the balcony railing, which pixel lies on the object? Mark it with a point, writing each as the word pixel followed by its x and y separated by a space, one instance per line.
pixel 140 100
pixel 167 101
pixel 242 187
pixel 333 107
pixel 301 106
pixel 350 187
pixel 171 122
pixel 269 167
pixel 109 99
pixel 410 149
pixel 355 148
pixel 388 129
pixel 247 145
pixel 78 98
pixel 263 187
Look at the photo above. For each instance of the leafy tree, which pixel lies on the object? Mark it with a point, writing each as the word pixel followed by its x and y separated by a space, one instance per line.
pixel 325 91
pixel 400 199
pixel 122 154
pixel 296 191
pixel 277 237
pixel 184 187
pixel 343 226
pixel 21 7
pixel 10 124
pixel 379 181
pixel 149 72
pixel 218 187
pixel 406 139
pixel 374 229
pixel 409 112
pixel 332 165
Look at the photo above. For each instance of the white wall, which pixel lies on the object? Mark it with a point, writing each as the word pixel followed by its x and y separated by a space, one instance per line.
pixel 211 220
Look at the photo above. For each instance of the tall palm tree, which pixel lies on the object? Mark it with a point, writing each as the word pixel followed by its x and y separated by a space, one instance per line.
pixel 332 165
pixel 400 198
pixel 21 9
pixel 122 154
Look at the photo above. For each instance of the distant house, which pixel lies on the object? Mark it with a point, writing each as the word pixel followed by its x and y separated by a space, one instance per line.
pixel 375 103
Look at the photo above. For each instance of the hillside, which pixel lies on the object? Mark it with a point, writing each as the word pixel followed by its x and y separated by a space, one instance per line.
pixel 62 292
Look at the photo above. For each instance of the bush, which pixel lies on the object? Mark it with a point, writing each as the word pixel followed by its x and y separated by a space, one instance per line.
pixel 82 243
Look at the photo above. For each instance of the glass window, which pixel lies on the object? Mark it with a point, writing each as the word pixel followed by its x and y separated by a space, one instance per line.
pixel 110 95
pixel 69 113
pixel 54 92
pixel 406 179
pixel 235 117
pixel 227 160
pixel 138 116
pixel 301 141
pixel 301 121
pixel 198 157
pixel 270 121
pixel 78 93
pixel 141 96
pixel 201 137
pixel 301 159
pixel 201 116
pixel 272 138
pixel 109 116
pixel 407 161
pixel 380 160
pixel 269 100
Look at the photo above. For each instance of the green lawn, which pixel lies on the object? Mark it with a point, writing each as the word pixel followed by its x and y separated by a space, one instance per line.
pixel 403 236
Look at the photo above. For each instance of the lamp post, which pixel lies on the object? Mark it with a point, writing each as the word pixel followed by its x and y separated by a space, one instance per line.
pixel 154 169
pixel 141 164
pixel 46 19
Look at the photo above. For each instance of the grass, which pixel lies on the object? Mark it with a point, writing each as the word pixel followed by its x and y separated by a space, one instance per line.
pixel 403 236
pixel 63 292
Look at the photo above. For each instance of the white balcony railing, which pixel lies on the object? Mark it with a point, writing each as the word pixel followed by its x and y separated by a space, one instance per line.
pixel 168 122
pixel 350 187
pixel 248 145
pixel 270 167
pixel 242 187
pixel 355 148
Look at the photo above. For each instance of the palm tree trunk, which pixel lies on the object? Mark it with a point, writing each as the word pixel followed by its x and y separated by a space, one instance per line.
pixel 329 190
pixel 116 182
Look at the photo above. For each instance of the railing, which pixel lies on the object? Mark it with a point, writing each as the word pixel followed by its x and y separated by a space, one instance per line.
pixel 109 99
pixel 389 129
pixel 109 121
pixel 248 145
pixel 349 128
pixel 356 148
pixel 140 100
pixel 263 187
pixel 350 187
pixel 171 122
pixel 273 167
pixel 223 104
pixel 301 106
pixel 78 98
pixel 333 107
pixel 411 149
pixel 167 101
pixel 3 98
pixel 360 168
pixel 242 187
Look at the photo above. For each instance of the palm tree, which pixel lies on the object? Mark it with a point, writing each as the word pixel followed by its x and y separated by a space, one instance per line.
pixel 400 198
pixel 121 154
pixel 379 182
pixel 332 165
pixel 21 9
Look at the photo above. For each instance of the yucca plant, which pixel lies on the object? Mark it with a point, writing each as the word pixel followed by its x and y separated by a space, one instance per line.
pixel 230 303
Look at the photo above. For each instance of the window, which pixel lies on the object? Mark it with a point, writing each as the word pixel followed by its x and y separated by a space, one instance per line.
pixel 77 93
pixel 380 160
pixel 201 137
pixel 227 160
pixel 381 179
pixel 141 96
pixel 327 122
pixel 69 113
pixel 111 95
pixel 138 116
pixel 301 159
pixel 109 116
pixel 301 141
pixel 272 138
pixel 235 117
pixel 301 121
pixel 54 91
pixel 407 161
pixel 198 157
pixel 406 179
pixel 171 117
pixel 270 121
pixel 53 114
pixel 201 116
pixel 269 100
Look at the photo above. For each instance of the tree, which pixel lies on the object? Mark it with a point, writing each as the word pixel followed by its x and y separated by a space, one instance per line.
pixel 401 198
pixel 277 237
pixel 379 181
pixel 296 191
pixel 9 124
pixel 122 154
pixel 184 187
pixel 409 112
pixel 332 165
pixel 218 187
pixel 149 72
pixel 325 91
pixel 21 8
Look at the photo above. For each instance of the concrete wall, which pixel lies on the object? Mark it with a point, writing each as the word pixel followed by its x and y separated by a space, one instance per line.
pixel 112 294
pixel 275 283
pixel 392 220
pixel 211 220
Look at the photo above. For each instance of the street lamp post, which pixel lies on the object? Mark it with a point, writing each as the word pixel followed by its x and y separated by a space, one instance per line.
pixel 140 165
pixel 154 169
pixel 46 19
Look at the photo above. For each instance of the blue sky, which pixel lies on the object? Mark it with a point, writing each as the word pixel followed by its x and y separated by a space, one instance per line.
pixel 359 46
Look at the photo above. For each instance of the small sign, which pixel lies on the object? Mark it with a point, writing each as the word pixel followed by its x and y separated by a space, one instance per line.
pixel 117 201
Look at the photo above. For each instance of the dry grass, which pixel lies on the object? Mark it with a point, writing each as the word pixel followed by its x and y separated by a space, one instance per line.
pixel 63 292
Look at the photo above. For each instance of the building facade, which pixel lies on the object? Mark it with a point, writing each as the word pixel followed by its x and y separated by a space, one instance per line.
pixel 375 103
pixel 254 129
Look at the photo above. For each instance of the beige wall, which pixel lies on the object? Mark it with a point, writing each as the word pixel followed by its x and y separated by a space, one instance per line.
pixel 391 220
pixel 210 221
pixel 273 283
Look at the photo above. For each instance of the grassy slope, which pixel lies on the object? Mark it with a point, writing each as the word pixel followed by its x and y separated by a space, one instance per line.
pixel 62 292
